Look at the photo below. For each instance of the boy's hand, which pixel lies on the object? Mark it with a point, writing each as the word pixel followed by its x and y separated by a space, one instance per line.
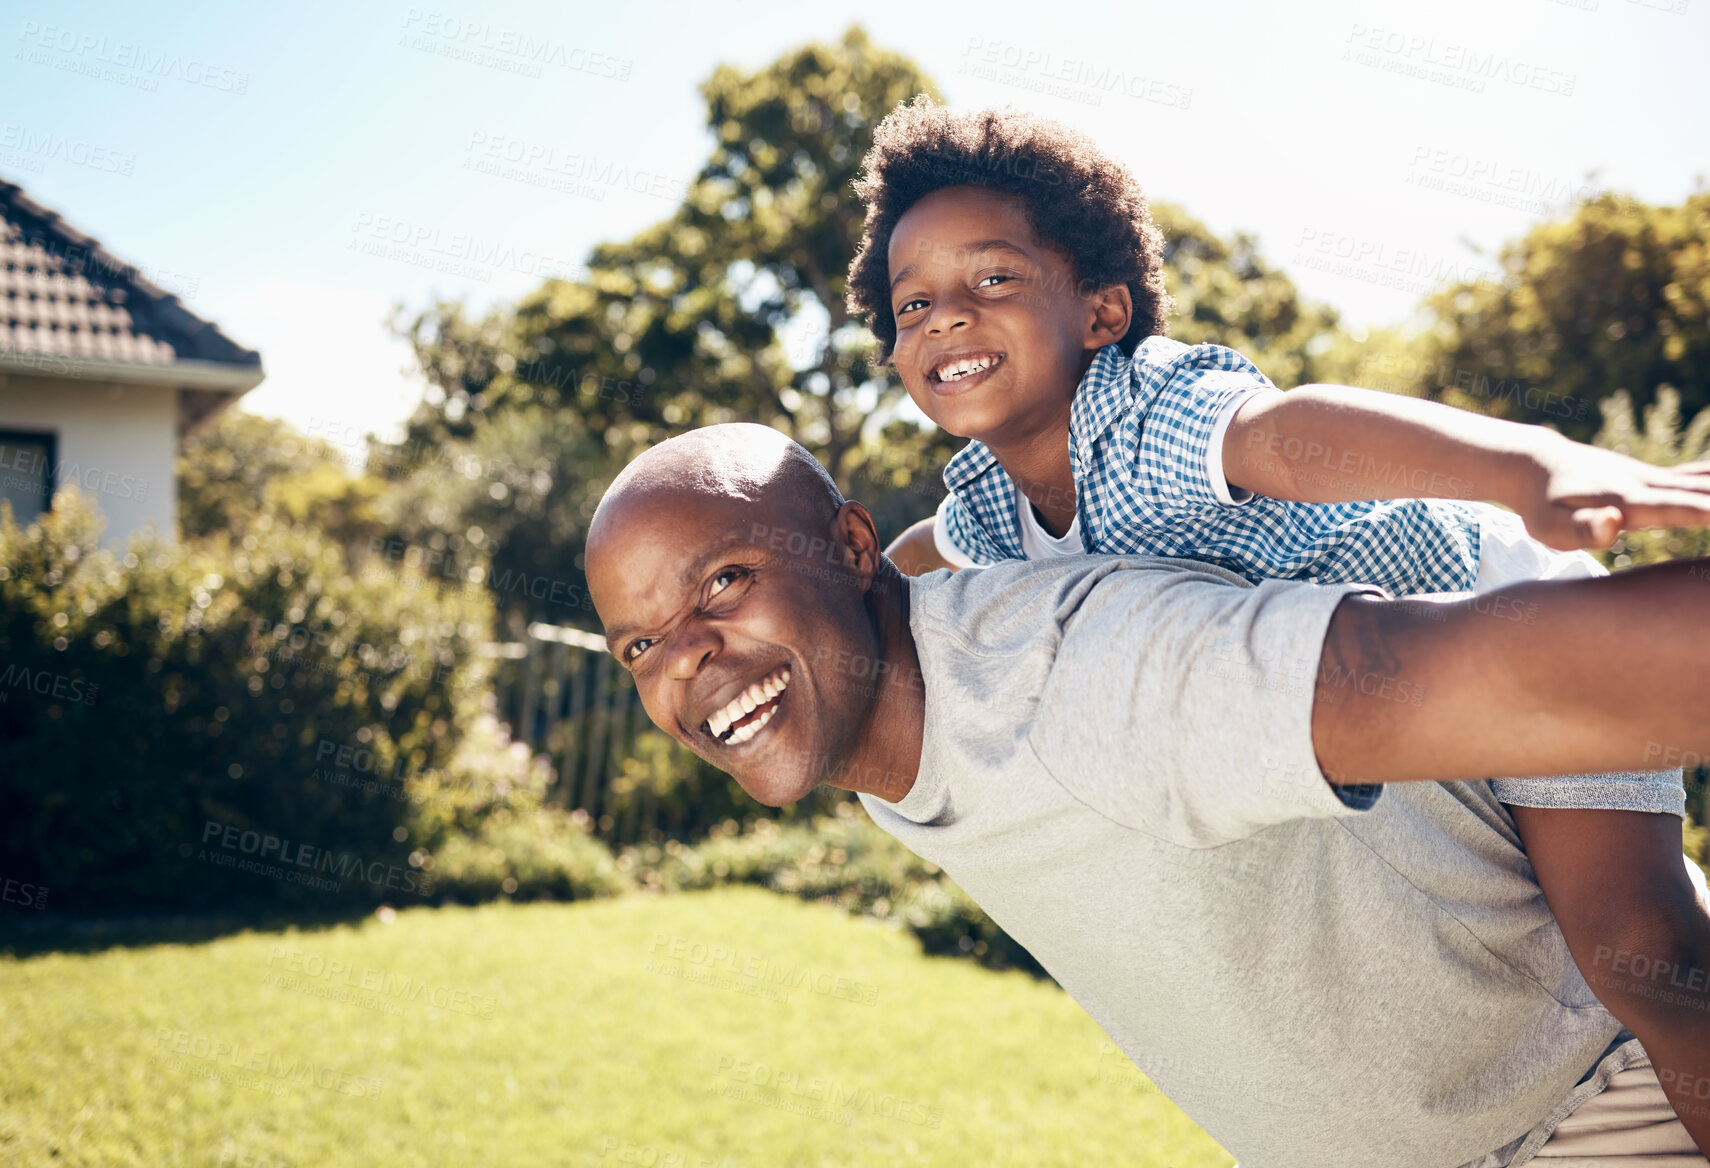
pixel 1584 496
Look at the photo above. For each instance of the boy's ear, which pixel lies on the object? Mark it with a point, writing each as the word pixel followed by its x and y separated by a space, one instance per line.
pixel 1112 311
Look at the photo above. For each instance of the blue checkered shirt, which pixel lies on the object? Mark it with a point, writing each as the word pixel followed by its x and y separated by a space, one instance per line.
pixel 1139 433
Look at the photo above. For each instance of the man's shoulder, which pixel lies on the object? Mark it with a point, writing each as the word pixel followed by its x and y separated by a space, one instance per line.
pixel 1008 605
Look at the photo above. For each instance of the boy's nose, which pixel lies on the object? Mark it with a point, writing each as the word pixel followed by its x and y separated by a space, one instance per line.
pixel 948 315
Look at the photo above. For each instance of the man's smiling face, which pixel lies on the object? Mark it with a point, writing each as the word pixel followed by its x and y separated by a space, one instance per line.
pixel 730 613
pixel 992 330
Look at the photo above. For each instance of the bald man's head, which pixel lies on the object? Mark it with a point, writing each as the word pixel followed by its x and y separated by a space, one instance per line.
pixel 738 461
pixel 738 585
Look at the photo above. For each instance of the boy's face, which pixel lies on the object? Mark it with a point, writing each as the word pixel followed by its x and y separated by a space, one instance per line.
pixel 971 283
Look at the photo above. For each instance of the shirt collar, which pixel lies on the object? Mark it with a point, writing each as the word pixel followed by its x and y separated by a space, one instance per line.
pixel 1102 396
pixel 1099 400
pixel 968 464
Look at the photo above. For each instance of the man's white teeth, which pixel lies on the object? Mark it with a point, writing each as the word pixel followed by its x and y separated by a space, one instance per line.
pixel 746 702
pixel 957 370
pixel 744 733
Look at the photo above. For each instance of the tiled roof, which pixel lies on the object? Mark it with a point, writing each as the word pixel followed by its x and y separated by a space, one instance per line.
pixel 63 294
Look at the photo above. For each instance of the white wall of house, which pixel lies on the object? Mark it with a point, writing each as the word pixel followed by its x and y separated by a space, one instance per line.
pixel 118 443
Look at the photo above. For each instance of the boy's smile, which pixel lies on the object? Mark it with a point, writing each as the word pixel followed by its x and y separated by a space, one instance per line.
pixel 993 333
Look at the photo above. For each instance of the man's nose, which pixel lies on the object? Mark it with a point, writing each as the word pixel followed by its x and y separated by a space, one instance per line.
pixel 690 648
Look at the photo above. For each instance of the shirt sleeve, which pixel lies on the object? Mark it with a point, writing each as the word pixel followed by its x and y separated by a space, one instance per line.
pixel 1227 495
pixel 958 538
pixel 1176 426
pixel 1180 704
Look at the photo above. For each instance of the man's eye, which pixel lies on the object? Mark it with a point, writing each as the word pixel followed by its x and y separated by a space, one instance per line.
pixel 729 574
pixel 635 648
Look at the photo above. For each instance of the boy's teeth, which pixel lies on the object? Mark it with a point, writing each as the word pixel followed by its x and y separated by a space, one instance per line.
pixel 963 368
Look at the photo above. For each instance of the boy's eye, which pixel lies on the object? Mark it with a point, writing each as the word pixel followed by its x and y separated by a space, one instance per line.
pixel 909 305
pixel 993 276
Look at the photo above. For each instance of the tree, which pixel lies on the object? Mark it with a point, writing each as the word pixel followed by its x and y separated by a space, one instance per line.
pixel 1617 297
pixel 732 308
pixel 1226 294
pixel 241 465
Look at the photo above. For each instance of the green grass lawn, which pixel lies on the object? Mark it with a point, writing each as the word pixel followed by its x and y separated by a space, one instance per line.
pixel 727 1028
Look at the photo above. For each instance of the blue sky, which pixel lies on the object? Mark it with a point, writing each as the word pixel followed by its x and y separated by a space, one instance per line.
pixel 293 173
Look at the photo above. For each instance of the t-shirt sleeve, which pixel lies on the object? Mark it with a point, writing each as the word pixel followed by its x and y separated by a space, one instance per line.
pixel 952 517
pixel 1181 705
pixel 1224 493
pixel 1176 426
pixel 959 537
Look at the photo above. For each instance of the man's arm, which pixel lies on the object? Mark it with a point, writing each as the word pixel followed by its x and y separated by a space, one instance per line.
pixel 1617 884
pixel 1543 678
pixel 1336 443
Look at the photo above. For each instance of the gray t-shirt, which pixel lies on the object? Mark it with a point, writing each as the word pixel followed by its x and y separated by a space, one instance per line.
pixel 1118 768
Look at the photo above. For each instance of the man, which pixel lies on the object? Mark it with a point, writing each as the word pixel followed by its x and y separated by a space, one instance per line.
pixel 1165 783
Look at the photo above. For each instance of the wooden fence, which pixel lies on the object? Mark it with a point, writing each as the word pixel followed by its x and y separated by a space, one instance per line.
pixel 562 693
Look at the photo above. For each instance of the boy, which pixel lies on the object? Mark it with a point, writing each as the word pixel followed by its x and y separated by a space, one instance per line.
pixel 1013 278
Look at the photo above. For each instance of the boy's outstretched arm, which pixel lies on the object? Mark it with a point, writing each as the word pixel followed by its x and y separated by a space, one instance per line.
pixel 915 553
pixel 1542 678
pixel 1336 443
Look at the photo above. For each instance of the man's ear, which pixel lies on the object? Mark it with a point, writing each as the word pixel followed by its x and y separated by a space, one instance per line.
pixel 857 538
pixel 1112 311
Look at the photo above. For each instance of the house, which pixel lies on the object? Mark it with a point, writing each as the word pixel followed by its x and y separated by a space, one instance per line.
pixel 102 374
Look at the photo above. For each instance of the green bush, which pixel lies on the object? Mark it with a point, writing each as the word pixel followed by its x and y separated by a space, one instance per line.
pixel 480 829
pixel 195 725
pixel 843 859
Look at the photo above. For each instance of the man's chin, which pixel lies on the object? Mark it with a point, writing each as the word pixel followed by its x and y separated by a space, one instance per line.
pixel 772 793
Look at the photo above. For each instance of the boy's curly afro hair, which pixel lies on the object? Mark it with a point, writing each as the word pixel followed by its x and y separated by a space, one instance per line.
pixel 1078 199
